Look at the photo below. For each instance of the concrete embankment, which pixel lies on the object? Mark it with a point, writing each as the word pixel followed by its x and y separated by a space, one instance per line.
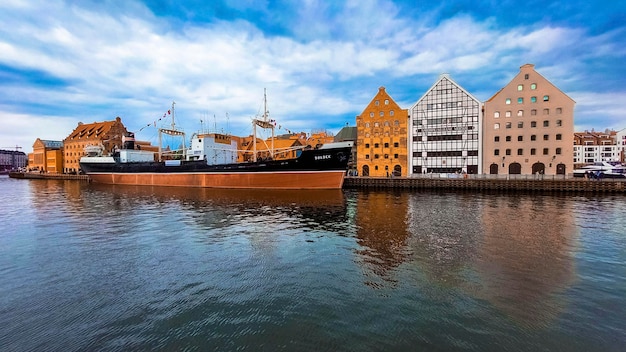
pixel 40 176
pixel 497 184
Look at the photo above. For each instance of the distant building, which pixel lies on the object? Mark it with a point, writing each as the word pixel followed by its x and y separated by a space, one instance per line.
pixel 47 156
pixel 317 139
pixel 108 134
pixel 349 134
pixel 591 147
pixel 382 137
pixel 445 130
pixel 529 127
pixel 620 140
pixel 12 159
pixel 283 149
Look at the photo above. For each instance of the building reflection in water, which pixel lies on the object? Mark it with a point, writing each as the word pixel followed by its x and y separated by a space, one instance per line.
pixel 526 258
pixel 381 220
pixel 445 234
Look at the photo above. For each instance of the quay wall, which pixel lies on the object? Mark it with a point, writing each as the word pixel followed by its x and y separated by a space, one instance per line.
pixel 40 176
pixel 533 184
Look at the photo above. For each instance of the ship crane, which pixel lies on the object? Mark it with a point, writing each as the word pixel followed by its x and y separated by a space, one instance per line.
pixel 16 147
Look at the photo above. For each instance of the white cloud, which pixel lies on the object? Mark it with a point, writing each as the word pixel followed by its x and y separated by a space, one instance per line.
pixel 133 64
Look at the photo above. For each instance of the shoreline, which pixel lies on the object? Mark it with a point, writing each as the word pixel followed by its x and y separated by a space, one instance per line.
pixel 513 183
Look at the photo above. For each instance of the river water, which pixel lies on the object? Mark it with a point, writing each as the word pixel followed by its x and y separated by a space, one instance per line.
pixel 85 267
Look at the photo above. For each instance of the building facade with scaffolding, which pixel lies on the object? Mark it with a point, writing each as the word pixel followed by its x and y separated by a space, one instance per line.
pixel 445 133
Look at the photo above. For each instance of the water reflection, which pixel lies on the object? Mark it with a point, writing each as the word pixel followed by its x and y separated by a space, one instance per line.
pixel 445 234
pixel 381 233
pixel 526 257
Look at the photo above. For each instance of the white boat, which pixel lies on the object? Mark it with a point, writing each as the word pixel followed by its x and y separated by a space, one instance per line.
pixel 602 169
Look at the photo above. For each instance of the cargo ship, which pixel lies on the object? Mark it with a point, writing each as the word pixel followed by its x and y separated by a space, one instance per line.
pixel 211 161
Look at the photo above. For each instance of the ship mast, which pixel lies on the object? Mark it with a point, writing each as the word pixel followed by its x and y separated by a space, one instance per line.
pixel 172 132
pixel 263 124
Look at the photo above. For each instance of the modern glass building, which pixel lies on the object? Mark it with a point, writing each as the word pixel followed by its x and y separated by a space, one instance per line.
pixel 445 133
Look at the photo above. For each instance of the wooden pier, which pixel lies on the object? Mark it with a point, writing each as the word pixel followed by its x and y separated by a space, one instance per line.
pixel 478 183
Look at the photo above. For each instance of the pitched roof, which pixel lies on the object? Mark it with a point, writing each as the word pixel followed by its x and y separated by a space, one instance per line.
pixel 346 134
pixel 93 130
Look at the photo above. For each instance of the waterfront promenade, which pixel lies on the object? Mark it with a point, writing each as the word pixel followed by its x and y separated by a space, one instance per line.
pixel 531 183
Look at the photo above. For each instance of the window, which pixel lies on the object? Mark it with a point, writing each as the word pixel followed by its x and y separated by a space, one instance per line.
pixel 496 114
pixel 507 101
pixel 391 113
pixel 508 114
pixel 382 113
pixel 533 112
pixel 376 156
pixel 396 144
pixel 526 76
pixel 520 138
pixel 376 145
pixel 545 151
pixel 520 113
pixel 496 152
pixel 520 151
pixel 367 145
pixel 508 125
pixel 533 123
pixel 372 114
pixel 520 100
pixel 386 156
pixel 546 98
pixel 533 137
pixel 508 138
pixel 376 124
pixel 376 103
pixel 546 137
pixel 520 87
pixel 367 124
pixel 496 126
pixel 559 111
pixel 386 101
pixel 386 145
pixel 558 151
pixel 533 86
pixel 558 137
pixel 559 123
pixel 395 156
pixel 367 156
pixel 546 111
pixel 533 151
pixel 546 123
pixel 533 99
pixel 496 139
pixel 508 152
pixel 520 124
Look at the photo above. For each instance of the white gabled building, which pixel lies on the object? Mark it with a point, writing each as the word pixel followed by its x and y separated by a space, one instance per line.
pixel 446 128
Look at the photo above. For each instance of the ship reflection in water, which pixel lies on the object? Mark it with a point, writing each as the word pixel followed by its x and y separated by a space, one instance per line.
pixel 102 267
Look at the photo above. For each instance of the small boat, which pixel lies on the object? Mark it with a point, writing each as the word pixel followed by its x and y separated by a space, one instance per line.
pixel 211 162
pixel 602 169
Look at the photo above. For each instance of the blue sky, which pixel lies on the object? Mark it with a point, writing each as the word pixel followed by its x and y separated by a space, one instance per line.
pixel 64 62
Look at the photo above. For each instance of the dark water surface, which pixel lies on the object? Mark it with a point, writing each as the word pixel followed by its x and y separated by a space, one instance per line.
pixel 107 268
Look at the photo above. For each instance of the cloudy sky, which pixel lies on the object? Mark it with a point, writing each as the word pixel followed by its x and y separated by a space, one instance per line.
pixel 321 62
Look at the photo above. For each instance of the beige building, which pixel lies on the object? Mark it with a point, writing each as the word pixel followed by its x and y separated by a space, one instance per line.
pixel 529 127
pixel 47 156
pixel 382 138
pixel 108 134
